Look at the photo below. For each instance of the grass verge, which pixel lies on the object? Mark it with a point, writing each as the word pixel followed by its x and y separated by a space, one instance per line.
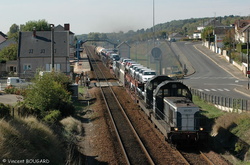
pixel 230 128
pixel 27 138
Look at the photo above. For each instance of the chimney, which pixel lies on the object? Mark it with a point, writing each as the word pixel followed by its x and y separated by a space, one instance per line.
pixel 66 26
pixel 34 31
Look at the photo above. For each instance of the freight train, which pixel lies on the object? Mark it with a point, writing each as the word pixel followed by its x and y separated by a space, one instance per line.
pixel 166 101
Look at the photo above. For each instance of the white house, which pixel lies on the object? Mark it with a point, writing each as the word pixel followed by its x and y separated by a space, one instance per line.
pixel 197 34
pixel 241 29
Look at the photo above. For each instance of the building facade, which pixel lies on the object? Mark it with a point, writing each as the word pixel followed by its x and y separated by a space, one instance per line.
pixel 242 28
pixel 35 51
pixel 124 50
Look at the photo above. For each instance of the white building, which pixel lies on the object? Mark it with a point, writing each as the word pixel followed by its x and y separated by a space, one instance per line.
pixel 241 28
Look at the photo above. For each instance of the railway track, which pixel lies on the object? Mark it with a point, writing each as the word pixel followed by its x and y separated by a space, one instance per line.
pixel 194 157
pixel 133 149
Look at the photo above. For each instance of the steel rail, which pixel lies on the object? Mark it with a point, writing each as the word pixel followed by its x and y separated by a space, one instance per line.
pixel 149 159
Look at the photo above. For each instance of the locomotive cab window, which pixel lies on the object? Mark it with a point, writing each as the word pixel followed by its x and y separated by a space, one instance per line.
pixel 182 92
pixel 165 92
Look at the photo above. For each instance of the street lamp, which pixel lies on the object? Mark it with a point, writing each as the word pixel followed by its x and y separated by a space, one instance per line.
pixel 248 66
pixel 154 22
pixel 52 47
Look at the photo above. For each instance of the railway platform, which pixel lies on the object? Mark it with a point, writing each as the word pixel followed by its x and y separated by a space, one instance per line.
pixel 104 84
pixel 82 65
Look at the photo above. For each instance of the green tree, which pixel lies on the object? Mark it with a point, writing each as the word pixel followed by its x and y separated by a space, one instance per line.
pixel 49 93
pixel 93 36
pixel 9 53
pixel 229 40
pixel 13 29
pixel 13 32
pixel 103 36
pixel 40 25
pixel 207 33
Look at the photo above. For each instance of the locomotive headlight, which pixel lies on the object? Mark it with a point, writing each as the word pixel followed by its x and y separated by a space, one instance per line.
pixel 201 129
pixel 176 129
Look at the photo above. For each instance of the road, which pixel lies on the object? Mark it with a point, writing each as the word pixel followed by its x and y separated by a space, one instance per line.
pixel 10 99
pixel 208 75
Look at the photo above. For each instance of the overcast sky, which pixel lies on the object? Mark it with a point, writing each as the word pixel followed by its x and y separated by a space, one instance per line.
pixel 85 16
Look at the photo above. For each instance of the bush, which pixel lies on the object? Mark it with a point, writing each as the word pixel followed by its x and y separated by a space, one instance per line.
pixel 13 90
pixel 53 117
pixel 4 111
pixel 71 127
pixel 10 89
pixel 48 93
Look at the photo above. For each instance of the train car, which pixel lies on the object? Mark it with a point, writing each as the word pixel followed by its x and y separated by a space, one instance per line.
pixel 168 104
pixel 183 117
pixel 175 114
pixel 98 50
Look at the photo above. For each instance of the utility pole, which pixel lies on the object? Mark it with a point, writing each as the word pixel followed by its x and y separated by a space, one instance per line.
pixel 52 47
pixel 154 22
pixel 157 60
pixel 248 66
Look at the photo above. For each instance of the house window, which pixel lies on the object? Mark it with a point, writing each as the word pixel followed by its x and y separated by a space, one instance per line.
pixel 12 69
pixel 42 51
pixel 26 67
pixel 57 67
pixel 47 67
pixel 30 51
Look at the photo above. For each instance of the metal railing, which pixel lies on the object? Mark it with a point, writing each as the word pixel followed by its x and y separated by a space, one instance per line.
pixel 224 103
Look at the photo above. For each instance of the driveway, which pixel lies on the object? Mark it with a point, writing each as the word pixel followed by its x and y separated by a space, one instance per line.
pixel 9 99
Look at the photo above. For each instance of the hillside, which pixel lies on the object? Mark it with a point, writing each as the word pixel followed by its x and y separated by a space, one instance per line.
pixel 184 27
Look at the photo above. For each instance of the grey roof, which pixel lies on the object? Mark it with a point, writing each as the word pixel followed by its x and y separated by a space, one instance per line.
pixel 241 23
pixel 2 34
pixel 61 28
pixel 222 29
pixel 40 44
pixel 6 43
pixel 247 27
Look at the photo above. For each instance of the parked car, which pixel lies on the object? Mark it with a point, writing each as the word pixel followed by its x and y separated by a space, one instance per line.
pixel 176 75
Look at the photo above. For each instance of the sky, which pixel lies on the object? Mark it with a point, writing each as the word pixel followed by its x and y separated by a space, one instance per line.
pixel 106 16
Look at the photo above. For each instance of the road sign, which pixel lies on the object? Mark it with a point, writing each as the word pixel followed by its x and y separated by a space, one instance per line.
pixel 156 52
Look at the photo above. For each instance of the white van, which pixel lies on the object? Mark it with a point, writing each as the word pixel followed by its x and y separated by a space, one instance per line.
pixel 16 81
